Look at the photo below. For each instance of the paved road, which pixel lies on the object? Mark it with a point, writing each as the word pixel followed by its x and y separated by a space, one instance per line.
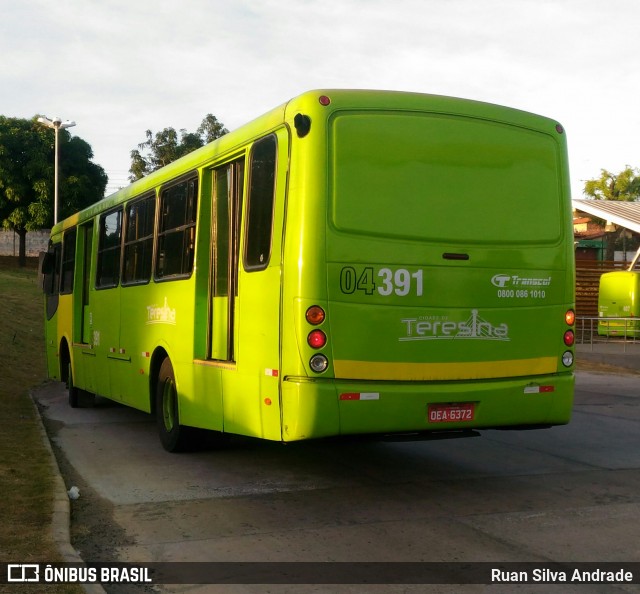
pixel 568 493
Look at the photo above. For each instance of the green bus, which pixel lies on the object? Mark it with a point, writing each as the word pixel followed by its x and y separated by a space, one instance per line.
pixel 619 303
pixel 352 262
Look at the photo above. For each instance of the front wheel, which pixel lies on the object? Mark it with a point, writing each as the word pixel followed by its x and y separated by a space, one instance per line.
pixel 173 436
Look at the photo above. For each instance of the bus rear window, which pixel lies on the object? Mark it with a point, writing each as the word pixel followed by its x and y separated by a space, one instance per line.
pixel 444 179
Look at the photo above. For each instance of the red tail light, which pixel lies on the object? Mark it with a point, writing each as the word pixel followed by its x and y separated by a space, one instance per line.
pixel 317 339
pixel 569 338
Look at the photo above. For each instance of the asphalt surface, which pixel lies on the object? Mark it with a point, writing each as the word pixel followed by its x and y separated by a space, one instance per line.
pixel 568 493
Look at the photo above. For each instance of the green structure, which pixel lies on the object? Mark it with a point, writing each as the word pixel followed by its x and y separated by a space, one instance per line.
pixel 352 262
pixel 619 299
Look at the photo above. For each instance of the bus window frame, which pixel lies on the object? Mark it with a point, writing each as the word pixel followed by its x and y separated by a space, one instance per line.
pixel 257 267
pixel 159 233
pixel 51 282
pixel 67 264
pixel 100 250
pixel 152 197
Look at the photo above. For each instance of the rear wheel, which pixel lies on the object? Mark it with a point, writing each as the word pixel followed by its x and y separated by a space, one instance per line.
pixel 173 436
pixel 74 393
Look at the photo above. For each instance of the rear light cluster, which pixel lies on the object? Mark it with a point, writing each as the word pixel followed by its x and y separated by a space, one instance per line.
pixel 569 338
pixel 317 339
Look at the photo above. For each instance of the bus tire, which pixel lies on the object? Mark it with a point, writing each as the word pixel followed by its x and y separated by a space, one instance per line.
pixel 74 392
pixel 173 436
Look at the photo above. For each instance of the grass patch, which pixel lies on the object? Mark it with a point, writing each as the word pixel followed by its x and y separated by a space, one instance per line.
pixel 26 475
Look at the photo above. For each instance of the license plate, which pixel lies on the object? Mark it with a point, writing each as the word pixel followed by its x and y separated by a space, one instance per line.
pixel 460 412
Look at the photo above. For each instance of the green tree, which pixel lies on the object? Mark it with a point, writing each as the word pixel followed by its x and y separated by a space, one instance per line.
pixel 27 176
pixel 615 186
pixel 210 129
pixel 623 186
pixel 166 146
pixel 82 182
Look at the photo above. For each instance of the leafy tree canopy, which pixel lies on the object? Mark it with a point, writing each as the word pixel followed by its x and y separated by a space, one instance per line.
pixel 615 186
pixel 624 186
pixel 166 146
pixel 27 176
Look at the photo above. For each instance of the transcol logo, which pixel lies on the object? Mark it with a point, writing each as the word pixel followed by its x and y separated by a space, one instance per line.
pixel 502 281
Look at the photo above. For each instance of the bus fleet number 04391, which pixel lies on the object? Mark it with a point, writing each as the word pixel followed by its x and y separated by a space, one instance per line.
pixel 385 282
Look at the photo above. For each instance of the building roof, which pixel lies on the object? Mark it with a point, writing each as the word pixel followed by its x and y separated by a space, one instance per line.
pixel 624 214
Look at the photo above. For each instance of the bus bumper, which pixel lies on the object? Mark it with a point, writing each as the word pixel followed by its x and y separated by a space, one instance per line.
pixel 314 409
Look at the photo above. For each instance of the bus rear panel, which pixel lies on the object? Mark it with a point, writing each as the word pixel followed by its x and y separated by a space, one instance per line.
pixel 449 296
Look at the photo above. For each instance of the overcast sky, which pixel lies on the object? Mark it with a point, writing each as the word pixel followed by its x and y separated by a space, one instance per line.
pixel 120 67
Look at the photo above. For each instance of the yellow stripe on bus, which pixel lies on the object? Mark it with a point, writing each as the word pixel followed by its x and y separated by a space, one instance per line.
pixel 379 370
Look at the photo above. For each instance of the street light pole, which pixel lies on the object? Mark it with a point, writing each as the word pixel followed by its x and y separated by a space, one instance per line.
pixel 57 124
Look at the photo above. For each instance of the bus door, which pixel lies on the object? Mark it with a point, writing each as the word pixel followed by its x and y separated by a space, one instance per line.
pixel 104 310
pixel 85 320
pixel 82 310
pixel 251 396
pixel 227 204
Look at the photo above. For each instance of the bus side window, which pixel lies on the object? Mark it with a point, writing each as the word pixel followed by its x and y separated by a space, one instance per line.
pixel 138 241
pixel 68 262
pixel 51 272
pixel 109 247
pixel 47 265
pixel 260 203
pixel 176 231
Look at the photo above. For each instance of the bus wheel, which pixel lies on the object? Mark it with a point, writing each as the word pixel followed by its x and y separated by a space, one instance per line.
pixel 174 438
pixel 74 392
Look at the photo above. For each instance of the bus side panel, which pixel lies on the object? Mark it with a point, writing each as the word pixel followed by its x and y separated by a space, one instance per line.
pixel 51 303
pixel 157 315
pixel 138 336
pixel 52 345
pixel 252 393
pixel 205 410
pixel 63 320
pixel 310 410
pixel 105 323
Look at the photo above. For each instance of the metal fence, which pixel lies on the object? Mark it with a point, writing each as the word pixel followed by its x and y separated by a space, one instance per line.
pixel 624 332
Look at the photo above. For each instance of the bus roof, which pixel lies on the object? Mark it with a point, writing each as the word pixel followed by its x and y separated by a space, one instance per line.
pixel 339 99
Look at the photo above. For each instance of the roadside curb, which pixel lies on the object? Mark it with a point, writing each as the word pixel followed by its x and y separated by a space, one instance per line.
pixel 61 512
